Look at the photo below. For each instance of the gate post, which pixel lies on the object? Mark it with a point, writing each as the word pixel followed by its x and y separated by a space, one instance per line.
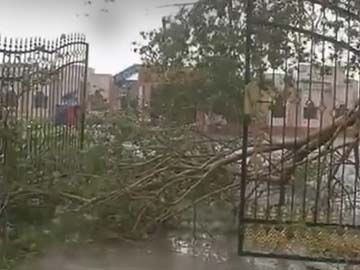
pixel 246 120
pixel 83 98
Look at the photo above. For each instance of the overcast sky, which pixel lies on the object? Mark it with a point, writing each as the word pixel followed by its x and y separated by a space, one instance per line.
pixel 110 34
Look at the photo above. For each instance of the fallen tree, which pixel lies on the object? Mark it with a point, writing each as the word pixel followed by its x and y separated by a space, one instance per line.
pixel 150 174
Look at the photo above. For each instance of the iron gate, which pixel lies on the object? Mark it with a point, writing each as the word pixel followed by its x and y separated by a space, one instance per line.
pixel 299 196
pixel 43 90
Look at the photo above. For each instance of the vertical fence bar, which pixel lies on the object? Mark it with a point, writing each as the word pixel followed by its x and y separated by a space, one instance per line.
pixel 77 86
pixel 310 106
pixel 79 71
pixel 52 98
pixel 76 94
pixel 73 93
pixel 241 225
pixel 22 72
pixel 345 152
pixel 322 110
pixel 293 203
pixel 34 75
pixel 33 108
pixel 48 96
pixel 63 91
pixel 58 101
pixel 5 85
pixel 334 92
pixel 357 164
pixel 66 95
pixel 6 62
pixel 74 90
pixel 16 81
pixel 40 97
pixel 271 130
pixel 283 188
pixel 30 71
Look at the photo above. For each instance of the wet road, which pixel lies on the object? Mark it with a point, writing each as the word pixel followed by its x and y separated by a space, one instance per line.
pixel 170 253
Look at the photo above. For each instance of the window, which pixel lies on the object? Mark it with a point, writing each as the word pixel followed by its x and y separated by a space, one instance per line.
pixel 278 108
pixel 40 100
pixel 310 111
pixel 341 110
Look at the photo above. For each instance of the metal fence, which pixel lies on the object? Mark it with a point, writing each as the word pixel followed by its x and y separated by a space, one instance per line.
pixel 300 167
pixel 42 91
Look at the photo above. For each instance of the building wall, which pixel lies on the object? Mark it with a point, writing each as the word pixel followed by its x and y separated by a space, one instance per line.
pixel 104 85
pixel 147 82
pixel 102 82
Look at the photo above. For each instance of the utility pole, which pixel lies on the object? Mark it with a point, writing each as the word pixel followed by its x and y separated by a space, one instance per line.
pixel 230 11
pixel 178 5
pixel 164 23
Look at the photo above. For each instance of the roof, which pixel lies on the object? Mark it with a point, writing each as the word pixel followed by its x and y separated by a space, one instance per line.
pixel 123 76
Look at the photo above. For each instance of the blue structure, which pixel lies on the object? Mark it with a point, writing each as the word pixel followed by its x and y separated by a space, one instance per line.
pixel 122 78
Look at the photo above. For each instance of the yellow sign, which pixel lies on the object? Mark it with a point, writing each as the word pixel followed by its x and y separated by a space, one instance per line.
pixel 252 96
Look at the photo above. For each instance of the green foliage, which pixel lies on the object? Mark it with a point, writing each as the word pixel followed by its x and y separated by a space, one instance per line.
pixel 179 108
pixel 209 38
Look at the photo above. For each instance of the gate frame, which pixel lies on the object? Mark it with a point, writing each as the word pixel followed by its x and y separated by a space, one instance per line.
pixel 242 220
